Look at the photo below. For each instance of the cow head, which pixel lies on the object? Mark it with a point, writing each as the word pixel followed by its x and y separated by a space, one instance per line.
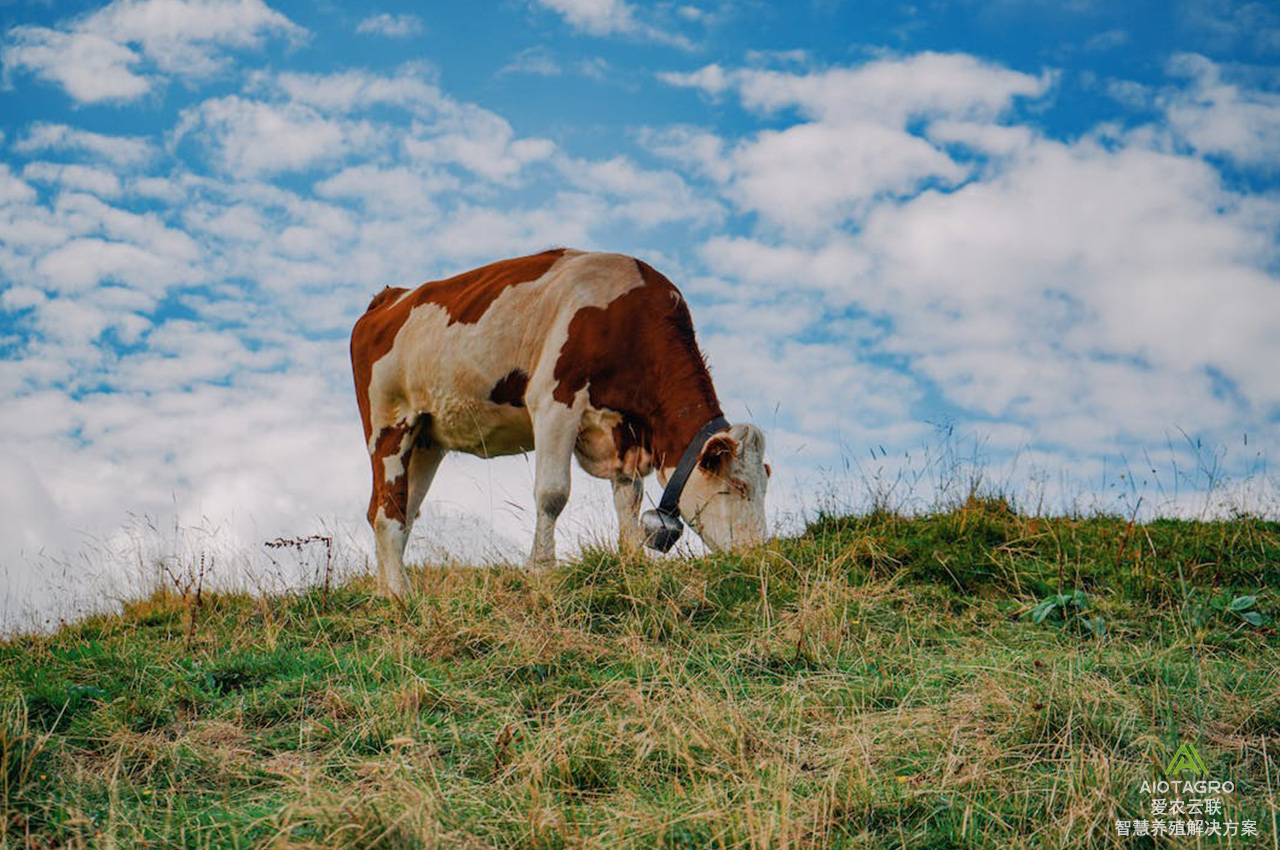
pixel 723 499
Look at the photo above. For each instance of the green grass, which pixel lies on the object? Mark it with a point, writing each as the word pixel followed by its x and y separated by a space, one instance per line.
pixel 877 681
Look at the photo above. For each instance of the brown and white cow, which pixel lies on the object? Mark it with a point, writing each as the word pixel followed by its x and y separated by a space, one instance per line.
pixel 571 353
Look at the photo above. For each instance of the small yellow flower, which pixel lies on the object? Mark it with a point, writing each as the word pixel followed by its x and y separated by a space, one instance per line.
pixel 904 778
pixel 146 792
pixel 43 776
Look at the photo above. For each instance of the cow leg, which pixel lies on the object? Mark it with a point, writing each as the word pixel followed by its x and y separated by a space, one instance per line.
pixel 404 462
pixel 422 470
pixel 627 495
pixel 555 432
pixel 423 463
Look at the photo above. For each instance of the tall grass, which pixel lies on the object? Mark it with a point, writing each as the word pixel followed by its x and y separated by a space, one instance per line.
pixel 877 680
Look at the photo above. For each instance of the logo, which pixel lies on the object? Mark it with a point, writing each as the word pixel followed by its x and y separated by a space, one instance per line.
pixel 1186 807
pixel 1186 758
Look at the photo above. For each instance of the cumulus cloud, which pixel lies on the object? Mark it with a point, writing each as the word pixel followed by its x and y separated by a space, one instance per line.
pixel 885 91
pixel 90 67
pixel 1082 285
pixel 189 37
pixel 96 181
pixel 645 196
pixel 298 122
pixel 410 87
pixel 611 17
pixel 479 141
pixel 536 60
pixel 858 142
pixel 391 26
pixel 388 192
pixel 1216 116
pixel 119 151
pixel 251 137
pixel 120 52
pixel 1093 293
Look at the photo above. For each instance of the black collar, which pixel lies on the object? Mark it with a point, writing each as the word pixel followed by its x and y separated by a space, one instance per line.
pixel 670 502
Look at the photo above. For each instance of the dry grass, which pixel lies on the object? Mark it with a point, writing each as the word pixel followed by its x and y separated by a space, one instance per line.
pixel 877 682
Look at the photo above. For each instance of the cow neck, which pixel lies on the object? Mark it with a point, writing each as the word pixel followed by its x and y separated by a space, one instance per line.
pixel 670 503
pixel 675 426
pixel 686 398
pixel 663 411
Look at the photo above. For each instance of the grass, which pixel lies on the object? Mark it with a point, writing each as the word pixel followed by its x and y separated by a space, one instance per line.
pixel 877 681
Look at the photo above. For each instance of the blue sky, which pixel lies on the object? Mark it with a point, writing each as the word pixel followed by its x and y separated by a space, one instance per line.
pixel 1049 229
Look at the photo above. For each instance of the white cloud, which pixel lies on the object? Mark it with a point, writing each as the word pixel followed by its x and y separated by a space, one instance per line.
pixel 1221 118
pixel 389 192
pixel 250 137
pixel 1094 293
pixel 391 26
pixel 779 370
pixel 96 181
pixel 86 263
pixel 190 37
pixel 536 60
pixel 121 51
pixel 837 269
pixel 90 67
pixel 699 151
pixel 886 91
pixel 120 151
pixel 812 175
pixel 859 143
pixel 711 79
pixel 107 264
pixel 1107 40
pixel 12 189
pixel 611 17
pixel 776 58
pixel 410 88
pixel 644 196
pixel 476 139
pixel 597 17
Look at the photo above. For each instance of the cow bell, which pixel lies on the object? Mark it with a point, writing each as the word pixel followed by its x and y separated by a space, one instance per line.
pixel 662 527
pixel 661 530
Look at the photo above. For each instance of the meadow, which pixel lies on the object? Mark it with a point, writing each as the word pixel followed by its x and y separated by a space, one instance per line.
pixel 971 677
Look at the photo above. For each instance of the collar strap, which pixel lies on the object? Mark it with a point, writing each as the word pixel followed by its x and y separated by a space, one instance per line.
pixel 670 502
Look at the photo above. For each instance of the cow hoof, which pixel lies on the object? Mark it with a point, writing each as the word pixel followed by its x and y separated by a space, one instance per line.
pixel 394 592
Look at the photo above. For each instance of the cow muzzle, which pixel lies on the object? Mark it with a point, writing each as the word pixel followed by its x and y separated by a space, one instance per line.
pixel 661 530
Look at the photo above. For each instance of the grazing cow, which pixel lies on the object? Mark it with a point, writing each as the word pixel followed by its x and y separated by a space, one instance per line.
pixel 569 353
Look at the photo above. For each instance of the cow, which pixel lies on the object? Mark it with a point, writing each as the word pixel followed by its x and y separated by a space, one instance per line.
pixel 568 353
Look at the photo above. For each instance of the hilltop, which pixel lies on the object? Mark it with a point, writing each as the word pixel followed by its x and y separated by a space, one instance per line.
pixel 970 678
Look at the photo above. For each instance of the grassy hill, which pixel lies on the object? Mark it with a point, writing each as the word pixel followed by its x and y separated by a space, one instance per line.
pixel 973 678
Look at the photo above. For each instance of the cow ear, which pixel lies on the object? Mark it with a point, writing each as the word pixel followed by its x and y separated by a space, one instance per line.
pixel 717 454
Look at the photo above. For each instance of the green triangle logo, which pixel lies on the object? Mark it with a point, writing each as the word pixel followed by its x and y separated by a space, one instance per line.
pixel 1186 758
